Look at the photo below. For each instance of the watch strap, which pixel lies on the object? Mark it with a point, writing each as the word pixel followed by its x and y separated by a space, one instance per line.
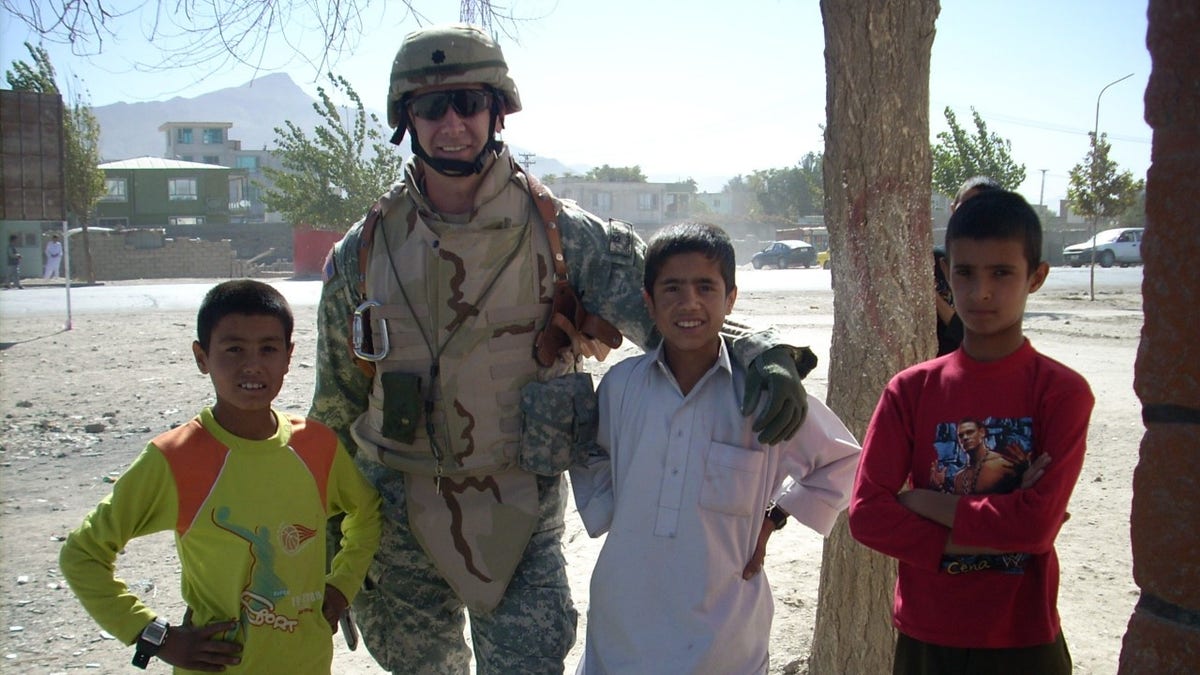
pixel 777 516
pixel 149 642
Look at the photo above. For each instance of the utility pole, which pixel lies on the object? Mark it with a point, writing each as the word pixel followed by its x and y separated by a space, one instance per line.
pixel 527 159
pixel 1042 194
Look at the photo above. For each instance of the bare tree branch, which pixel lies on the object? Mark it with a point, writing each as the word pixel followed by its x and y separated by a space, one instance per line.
pixel 216 34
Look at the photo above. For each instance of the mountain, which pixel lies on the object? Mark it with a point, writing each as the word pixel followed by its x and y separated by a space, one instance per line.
pixel 129 130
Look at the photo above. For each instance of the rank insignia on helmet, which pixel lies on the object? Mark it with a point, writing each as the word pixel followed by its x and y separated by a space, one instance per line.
pixel 438 56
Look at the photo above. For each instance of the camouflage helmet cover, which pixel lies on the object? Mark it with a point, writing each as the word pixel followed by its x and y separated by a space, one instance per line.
pixel 449 54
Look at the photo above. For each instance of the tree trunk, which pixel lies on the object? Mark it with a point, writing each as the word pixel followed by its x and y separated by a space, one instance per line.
pixel 878 178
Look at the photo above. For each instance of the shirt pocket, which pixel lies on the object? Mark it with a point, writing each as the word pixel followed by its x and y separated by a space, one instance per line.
pixel 732 476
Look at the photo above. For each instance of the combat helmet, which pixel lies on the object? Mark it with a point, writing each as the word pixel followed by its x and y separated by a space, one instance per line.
pixel 449 54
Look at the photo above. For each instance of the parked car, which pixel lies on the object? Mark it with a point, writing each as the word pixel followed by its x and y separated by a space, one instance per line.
pixel 785 253
pixel 1121 246
pixel 823 259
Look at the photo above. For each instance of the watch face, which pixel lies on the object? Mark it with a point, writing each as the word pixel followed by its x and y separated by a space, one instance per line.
pixel 156 632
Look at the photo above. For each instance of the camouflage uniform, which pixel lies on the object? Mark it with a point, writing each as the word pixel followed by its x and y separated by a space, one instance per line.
pixel 468 456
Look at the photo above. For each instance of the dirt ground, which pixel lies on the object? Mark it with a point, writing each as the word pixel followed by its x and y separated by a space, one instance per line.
pixel 77 406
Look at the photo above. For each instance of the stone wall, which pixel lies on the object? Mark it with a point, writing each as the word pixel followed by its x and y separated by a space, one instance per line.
pixel 247 239
pixel 134 255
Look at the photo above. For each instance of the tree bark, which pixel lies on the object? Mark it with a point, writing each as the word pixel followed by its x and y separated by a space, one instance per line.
pixel 878 177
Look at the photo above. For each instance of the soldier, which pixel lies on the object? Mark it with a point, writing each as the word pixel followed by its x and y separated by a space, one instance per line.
pixel 471 404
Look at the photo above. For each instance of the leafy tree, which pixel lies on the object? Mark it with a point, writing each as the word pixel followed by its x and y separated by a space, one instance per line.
pixel 1097 190
pixel 327 179
pixel 788 193
pixel 812 167
pixel 959 155
pixel 83 179
pixel 616 174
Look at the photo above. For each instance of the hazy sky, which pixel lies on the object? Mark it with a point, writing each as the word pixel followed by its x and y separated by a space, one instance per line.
pixel 710 90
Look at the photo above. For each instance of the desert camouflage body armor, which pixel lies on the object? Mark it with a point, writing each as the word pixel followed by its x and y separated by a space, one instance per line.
pixel 458 403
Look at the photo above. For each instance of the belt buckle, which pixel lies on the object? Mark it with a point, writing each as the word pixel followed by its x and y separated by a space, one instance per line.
pixel 361 334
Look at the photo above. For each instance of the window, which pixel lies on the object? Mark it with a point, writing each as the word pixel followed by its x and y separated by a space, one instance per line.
pixel 214 136
pixel 115 223
pixel 114 190
pixel 212 159
pixel 602 200
pixel 247 162
pixel 185 220
pixel 181 189
pixel 187 158
pixel 183 136
pixel 647 201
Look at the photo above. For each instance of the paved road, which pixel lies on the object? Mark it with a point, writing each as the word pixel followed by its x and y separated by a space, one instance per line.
pixel 140 297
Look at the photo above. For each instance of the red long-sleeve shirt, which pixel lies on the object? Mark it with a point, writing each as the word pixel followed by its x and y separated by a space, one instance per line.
pixel 1026 404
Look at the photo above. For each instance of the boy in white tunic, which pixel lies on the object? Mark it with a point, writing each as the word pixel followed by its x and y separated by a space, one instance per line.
pixel 686 493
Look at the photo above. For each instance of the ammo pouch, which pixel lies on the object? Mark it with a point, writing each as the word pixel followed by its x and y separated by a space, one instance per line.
pixel 558 423
pixel 402 402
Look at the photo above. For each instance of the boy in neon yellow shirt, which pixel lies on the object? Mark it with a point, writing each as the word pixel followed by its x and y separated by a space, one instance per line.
pixel 247 491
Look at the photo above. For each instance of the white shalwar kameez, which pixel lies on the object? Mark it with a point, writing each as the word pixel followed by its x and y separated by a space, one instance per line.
pixel 682 494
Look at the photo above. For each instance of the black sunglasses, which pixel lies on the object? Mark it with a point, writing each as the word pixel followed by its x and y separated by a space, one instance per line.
pixel 466 102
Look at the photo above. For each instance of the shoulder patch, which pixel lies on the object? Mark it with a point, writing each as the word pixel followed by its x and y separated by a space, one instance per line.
pixel 620 237
pixel 328 269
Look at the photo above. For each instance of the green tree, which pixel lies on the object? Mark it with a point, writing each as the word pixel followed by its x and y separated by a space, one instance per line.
pixel 812 167
pixel 83 180
pixel 1098 191
pixel 960 155
pixel 326 179
pixel 616 174
pixel 787 194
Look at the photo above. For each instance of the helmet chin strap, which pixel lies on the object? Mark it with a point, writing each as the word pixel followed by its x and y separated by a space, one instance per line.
pixel 457 168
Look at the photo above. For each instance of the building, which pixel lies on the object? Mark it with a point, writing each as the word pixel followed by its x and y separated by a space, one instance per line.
pixel 645 205
pixel 209 143
pixel 154 192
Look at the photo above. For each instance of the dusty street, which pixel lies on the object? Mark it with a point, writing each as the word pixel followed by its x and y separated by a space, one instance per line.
pixel 79 405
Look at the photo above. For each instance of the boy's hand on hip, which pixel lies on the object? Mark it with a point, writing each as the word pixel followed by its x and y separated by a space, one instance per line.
pixel 334 606
pixel 760 550
pixel 198 648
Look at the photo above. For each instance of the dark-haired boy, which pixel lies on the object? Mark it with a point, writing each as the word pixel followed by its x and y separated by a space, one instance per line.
pixel 247 491
pixel 978 576
pixel 686 493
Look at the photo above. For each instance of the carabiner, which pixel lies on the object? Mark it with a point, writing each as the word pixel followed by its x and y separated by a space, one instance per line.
pixel 362 335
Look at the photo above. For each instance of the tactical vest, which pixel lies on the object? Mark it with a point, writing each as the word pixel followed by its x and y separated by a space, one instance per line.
pixel 459 306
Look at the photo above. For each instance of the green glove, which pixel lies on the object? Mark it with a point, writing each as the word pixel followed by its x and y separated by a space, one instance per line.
pixel 777 372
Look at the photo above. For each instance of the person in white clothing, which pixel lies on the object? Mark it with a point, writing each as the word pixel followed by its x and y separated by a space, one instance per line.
pixel 687 495
pixel 54 255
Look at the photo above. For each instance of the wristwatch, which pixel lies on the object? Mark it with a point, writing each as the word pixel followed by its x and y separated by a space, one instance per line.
pixel 777 516
pixel 150 641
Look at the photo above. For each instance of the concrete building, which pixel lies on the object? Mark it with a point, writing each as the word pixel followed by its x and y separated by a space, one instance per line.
pixel 209 143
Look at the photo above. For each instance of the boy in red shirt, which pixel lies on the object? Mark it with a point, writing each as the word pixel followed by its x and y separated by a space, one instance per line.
pixel 991 440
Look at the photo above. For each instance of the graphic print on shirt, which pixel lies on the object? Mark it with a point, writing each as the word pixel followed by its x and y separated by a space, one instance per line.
pixel 982 456
pixel 265 587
